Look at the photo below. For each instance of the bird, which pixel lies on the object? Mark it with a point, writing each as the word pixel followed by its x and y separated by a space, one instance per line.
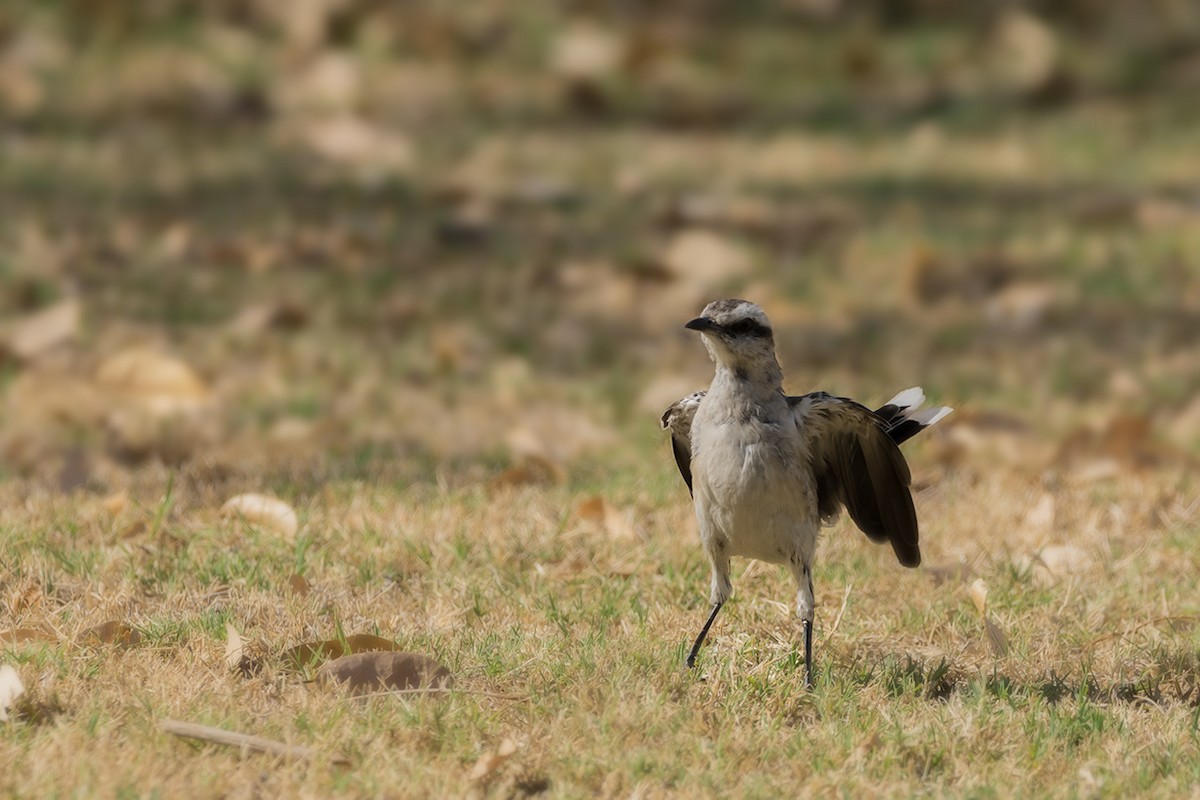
pixel 766 470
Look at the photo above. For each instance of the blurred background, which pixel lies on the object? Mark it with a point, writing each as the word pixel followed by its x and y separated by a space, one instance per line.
pixel 277 244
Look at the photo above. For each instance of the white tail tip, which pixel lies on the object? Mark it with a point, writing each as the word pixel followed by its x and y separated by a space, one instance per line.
pixel 909 398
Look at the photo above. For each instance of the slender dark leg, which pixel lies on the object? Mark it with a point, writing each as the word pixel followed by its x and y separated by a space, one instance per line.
pixel 804 608
pixel 808 683
pixel 691 659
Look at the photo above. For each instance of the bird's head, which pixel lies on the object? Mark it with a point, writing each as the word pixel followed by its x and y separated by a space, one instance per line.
pixel 737 334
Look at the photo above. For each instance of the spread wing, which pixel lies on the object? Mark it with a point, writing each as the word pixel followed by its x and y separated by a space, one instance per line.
pixel 857 464
pixel 678 420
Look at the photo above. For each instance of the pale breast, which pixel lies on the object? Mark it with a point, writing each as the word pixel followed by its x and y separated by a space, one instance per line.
pixel 752 490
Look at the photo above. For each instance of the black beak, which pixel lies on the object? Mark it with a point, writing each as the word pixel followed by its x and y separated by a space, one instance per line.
pixel 702 324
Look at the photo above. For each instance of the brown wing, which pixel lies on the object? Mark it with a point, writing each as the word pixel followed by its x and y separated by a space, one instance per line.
pixel 678 420
pixel 857 465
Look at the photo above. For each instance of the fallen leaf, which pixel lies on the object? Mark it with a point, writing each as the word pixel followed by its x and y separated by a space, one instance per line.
pixel 11 688
pixel 158 383
pixel 943 573
pixel 235 653
pixel 331 83
pixel 492 760
pixel 310 653
pixel 113 632
pixel 32 335
pixel 705 259
pixel 1157 213
pixel 353 142
pixel 1040 518
pixel 263 510
pixel 1025 52
pixel 370 672
pixel 115 503
pixel 598 510
pixel 297 584
pixel 234 649
pixel 997 640
pixel 978 592
pixel 933 278
pixel 586 54
pixel 530 471
pixel 18 636
pixel 1064 559
pixel 1023 306
pixel 1126 441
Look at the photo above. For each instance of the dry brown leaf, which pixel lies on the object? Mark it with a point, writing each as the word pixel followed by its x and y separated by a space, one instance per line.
pixel 18 636
pixel 331 83
pixel 492 760
pixel 298 584
pixel 279 315
pixel 31 336
pixel 354 142
pixel 978 592
pixel 1040 518
pixel 531 470
pixel 372 672
pixel 235 650
pixel 113 632
pixel 932 278
pixel 11 689
pixel 944 573
pixel 1025 52
pixel 236 657
pixel 1156 213
pixel 597 510
pixel 1023 306
pixel 1126 442
pixel 587 54
pixel 1063 560
pixel 157 383
pixel 997 639
pixel 115 503
pixel 310 653
pixel 262 510
pixel 704 259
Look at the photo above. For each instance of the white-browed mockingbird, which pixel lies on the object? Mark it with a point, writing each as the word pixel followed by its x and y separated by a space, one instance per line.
pixel 766 470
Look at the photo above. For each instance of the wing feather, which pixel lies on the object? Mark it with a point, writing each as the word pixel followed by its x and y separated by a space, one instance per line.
pixel 856 464
pixel 678 420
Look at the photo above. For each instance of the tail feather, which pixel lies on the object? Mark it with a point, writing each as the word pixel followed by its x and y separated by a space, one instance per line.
pixel 904 418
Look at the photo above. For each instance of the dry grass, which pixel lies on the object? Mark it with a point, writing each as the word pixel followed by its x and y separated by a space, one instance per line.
pixel 451 365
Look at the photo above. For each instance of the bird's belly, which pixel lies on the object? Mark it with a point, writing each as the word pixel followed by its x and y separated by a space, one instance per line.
pixel 758 501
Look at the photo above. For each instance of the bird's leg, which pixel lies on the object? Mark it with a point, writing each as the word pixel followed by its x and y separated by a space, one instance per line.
pixel 805 609
pixel 691 659
pixel 718 594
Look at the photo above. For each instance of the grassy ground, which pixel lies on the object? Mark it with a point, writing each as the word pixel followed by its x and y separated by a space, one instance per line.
pixel 436 309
